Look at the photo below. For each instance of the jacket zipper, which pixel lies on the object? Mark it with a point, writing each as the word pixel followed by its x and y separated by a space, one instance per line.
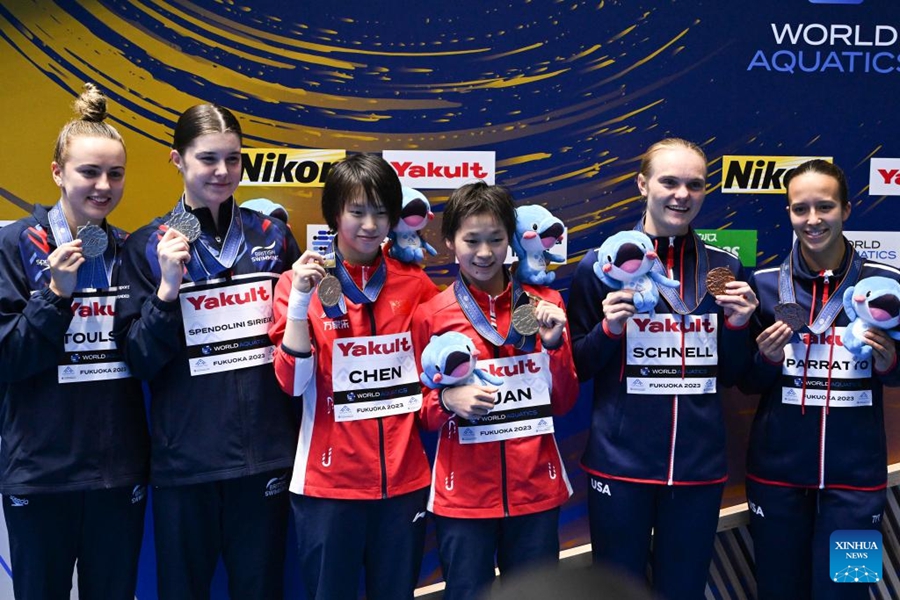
pixel 504 493
pixel 382 452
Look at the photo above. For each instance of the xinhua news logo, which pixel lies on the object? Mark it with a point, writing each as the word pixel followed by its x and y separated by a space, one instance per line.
pixel 856 556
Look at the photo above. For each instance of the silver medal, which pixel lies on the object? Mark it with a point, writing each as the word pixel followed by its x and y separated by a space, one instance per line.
pixel 186 224
pixel 93 241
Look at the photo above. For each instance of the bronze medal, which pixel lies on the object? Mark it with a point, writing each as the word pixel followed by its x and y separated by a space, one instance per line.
pixel 524 320
pixel 330 291
pixel 791 314
pixel 93 241
pixel 716 280
pixel 186 224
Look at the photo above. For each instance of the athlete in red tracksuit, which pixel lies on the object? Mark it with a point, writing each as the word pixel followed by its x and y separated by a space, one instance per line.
pixel 501 495
pixel 361 473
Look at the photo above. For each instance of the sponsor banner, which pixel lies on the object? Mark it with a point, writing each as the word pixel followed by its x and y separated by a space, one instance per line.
pixel 884 177
pixel 880 246
pixel 286 167
pixel 440 170
pixel 741 242
pixel 759 174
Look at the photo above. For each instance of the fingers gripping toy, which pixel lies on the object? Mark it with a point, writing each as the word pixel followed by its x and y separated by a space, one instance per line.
pixel 625 261
pixel 407 243
pixel 872 302
pixel 537 230
pixel 449 359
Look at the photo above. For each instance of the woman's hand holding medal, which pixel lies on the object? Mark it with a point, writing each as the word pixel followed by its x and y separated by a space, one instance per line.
pixel 309 270
pixel 737 299
pixel 63 264
pixel 173 251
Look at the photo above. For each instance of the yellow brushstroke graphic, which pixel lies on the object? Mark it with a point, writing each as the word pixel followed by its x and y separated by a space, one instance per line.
pixel 526 158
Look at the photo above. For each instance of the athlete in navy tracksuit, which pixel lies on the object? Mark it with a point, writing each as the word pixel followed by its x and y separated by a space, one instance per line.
pixel 196 328
pixel 75 450
pixel 817 455
pixel 657 458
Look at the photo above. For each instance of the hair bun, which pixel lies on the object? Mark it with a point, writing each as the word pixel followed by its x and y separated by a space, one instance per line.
pixel 91 104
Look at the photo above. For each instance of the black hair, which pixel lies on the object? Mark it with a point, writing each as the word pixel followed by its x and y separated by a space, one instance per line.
pixel 475 199
pixel 368 175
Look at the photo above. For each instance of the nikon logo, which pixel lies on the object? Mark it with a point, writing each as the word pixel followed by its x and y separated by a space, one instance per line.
pixel 759 174
pixel 288 168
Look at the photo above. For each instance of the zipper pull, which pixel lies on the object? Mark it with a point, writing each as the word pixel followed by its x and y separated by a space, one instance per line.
pixel 670 257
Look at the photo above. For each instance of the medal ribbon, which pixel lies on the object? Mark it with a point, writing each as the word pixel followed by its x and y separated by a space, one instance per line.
pixel 204 263
pixel 94 273
pixel 829 312
pixel 671 295
pixel 349 288
pixel 480 322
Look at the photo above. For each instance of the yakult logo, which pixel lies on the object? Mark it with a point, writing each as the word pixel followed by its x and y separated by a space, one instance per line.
pixel 884 177
pixel 441 170
pixel 204 302
pixel 93 309
pixel 373 348
pixel 521 367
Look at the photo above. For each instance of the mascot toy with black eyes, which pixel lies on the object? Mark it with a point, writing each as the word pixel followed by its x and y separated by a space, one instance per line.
pixel 625 261
pixel 537 230
pixel 872 302
pixel 449 359
pixel 407 243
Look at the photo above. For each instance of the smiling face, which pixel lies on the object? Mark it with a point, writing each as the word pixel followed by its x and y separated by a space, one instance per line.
pixel 211 168
pixel 674 187
pixel 91 180
pixel 480 245
pixel 361 227
pixel 818 218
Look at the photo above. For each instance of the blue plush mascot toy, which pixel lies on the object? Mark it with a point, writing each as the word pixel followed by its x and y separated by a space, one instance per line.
pixel 625 261
pixel 407 243
pixel 449 359
pixel 537 230
pixel 872 302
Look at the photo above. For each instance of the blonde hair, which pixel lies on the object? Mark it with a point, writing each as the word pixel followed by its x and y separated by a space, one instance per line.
pixel 90 107
pixel 668 144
